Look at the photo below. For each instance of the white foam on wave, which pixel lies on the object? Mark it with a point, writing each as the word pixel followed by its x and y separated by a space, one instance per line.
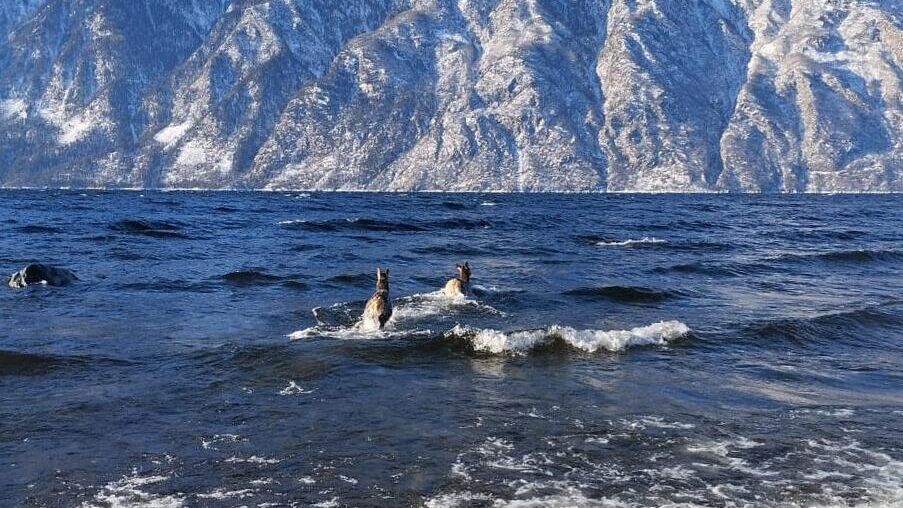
pixel 222 493
pixel 423 305
pixel 571 498
pixel 736 471
pixel 329 503
pixel 253 459
pixel 359 331
pixel 724 447
pixel 294 389
pixel 497 342
pixel 408 308
pixel 208 444
pixel 623 243
pixel 129 491
pixel 657 422
pixel 496 290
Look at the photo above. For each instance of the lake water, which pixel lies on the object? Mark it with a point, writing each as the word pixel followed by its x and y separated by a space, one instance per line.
pixel 617 350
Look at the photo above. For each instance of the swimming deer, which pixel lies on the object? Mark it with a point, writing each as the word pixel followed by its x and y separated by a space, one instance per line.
pixel 460 285
pixel 379 307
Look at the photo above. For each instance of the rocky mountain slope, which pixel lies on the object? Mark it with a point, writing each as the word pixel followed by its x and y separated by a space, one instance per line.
pixel 508 95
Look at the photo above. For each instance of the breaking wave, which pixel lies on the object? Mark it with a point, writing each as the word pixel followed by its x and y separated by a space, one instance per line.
pixel 498 342
pixel 605 241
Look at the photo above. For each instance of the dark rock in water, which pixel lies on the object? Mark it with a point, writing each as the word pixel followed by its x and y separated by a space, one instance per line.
pixel 36 273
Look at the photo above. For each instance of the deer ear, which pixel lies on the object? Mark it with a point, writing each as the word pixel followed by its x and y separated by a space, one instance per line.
pixel 467 264
pixel 378 272
pixel 387 272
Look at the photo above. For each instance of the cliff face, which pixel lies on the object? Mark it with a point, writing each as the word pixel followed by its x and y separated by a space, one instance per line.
pixel 532 95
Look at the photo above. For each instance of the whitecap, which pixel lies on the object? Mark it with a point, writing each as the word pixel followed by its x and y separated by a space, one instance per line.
pixel 570 498
pixel 330 503
pixel 226 494
pixel 219 438
pixel 497 342
pixel 253 459
pixel 629 241
pixel 294 389
pixel 127 491
pixel 655 422
pixel 722 448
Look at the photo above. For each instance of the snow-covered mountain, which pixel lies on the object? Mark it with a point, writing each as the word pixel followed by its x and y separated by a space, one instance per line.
pixel 532 95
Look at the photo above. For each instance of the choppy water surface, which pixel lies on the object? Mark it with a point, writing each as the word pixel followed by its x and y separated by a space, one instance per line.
pixel 618 350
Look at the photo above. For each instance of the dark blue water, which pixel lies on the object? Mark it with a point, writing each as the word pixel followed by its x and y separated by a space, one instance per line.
pixel 618 350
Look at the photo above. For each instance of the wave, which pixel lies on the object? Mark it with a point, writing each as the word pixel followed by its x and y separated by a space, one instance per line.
pixel 821 234
pixel 461 224
pixel 296 285
pixel 847 256
pixel 770 264
pixel 857 324
pixel 364 224
pixel 358 331
pixel 420 306
pixel 343 320
pixel 133 491
pixel 248 277
pixel 623 243
pixel 13 363
pixel 33 229
pixel 498 342
pixel 481 290
pixel 155 229
pixel 167 286
pixel 700 268
pixel 353 279
pixel 305 247
pixel 622 294
pixel 729 269
pixel 254 277
pixel 450 249
pixel 354 224
pixel 605 241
